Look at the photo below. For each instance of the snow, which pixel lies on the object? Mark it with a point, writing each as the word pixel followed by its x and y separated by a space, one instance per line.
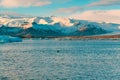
pixel 6 39
pixel 63 21
pixel 42 21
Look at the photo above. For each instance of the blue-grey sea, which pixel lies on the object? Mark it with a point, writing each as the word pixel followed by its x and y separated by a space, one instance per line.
pixel 36 59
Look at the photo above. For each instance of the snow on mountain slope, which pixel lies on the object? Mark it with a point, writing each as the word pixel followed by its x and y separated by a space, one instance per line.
pixel 18 22
pixel 13 22
pixel 63 21
pixel 52 20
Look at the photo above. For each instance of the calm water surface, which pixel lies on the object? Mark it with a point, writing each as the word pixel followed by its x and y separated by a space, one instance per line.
pixel 60 60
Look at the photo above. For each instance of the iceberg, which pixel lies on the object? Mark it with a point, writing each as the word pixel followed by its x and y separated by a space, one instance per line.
pixel 7 39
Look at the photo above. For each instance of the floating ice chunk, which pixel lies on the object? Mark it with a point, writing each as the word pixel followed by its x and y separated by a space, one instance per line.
pixel 6 39
pixel 118 27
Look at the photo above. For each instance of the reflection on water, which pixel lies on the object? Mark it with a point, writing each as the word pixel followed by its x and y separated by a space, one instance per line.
pixel 60 60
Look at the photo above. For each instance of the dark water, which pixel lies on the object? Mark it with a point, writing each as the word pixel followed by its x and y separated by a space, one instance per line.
pixel 60 60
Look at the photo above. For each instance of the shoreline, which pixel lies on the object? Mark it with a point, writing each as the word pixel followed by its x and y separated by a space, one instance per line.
pixel 77 37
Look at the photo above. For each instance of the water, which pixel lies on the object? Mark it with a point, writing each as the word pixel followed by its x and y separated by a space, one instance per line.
pixel 60 60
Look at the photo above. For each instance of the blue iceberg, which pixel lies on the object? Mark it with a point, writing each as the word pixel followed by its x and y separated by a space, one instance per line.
pixel 6 39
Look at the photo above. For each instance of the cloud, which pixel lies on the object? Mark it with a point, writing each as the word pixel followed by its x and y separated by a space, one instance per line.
pixel 28 3
pixel 61 1
pixel 104 3
pixel 94 4
pixel 23 3
pixel 109 16
pixel 68 10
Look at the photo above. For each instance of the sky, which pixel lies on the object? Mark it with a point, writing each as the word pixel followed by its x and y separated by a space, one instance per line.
pixel 57 7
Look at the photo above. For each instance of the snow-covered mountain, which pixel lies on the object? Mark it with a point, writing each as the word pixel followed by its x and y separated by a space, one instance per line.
pixel 52 26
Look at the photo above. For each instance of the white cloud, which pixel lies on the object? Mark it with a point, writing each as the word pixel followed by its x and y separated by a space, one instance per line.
pixel 94 4
pixel 23 3
pixel 104 3
pixel 109 16
pixel 68 10
pixel 28 3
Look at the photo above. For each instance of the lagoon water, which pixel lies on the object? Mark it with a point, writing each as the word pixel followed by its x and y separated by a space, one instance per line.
pixel 35 59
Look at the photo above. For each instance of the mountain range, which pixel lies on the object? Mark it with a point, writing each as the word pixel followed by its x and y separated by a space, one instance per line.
pixel 31 26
